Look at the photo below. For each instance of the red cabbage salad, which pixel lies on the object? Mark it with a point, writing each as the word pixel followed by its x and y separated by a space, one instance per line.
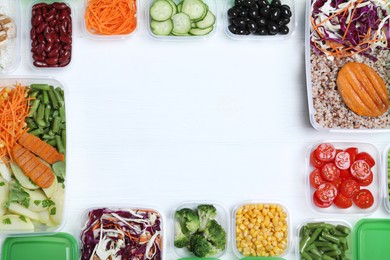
pixel 343 28
pixel 122 234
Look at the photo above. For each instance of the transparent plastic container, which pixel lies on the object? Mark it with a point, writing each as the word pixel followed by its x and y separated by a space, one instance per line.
pixel 39 228
pixel 386 178
pixel 292 25
pixel 73 16
pixel 10 49
pixel 109 37
pixel 212 6
pixel 239 254
pixel 222 218
pixel 333 222
pixel 115 207
pixel 374 187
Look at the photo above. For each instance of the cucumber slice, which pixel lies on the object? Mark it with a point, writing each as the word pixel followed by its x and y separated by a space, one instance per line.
pixel 161 28
pixel 174 7
pixel 179 6
pixel 194 8
pixel 201 32
pixel 208 20
pixel 161 10
pixel 181 23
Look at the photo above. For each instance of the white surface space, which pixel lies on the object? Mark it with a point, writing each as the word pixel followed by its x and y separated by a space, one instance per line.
pixel 161 122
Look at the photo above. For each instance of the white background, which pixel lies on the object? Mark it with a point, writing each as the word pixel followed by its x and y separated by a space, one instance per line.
pixel 161 122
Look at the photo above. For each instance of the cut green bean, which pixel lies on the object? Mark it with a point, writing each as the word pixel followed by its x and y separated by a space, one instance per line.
pixel 63 137
pixel 333 253
pixel 41 111
pixel 40 86
pixel 60 146
pixel 53 99
pixel 306 256
pixel 46 100
pixel 304 243
pixel 343 229
pixel 36 132
pixel 31 123
pixel 56 124
pixel 58 95
pixel 325 257
pixel 315 251
pixel 48 137
pixel 52 142
pixel 331 238
pixel 47 114
pixel 34 107
pixel 62 114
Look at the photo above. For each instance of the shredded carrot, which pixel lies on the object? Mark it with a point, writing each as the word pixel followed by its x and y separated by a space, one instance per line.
pixel 14 108
pixel 111 17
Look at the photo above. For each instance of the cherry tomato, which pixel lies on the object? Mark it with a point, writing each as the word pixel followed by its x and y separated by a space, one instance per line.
pixel 337 183
pixel 366 157
pixel 342 160
pixel 368 180
pixel 330 172
pixel 353 151
pixel 319 203
pixel 338 151
pixel 325 152
pixel 316 179
pixel 349 188
pixel 364 199
pixel 326 192
pixel 360 170
pixel 345 174
pixel 342 202
pixel 314 160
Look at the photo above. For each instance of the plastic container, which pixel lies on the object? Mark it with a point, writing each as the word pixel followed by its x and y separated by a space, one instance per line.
pixel 252 37
pixel 73 15
pixel 374 187
pixel 371 239
pixel 42 229
pixel 109 37
pixel 85 218
pixel 212 6
pixel 340 118
pixel 333 222
pixel 10 50
pixel 234 224
pixel 58 246
pixel 386 178
pixel 222 218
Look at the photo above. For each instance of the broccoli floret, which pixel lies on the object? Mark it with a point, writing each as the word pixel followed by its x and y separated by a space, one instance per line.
pixel 200 247
pixel 216 234
pixel 188 219
pixel 181 240
pixel 206 212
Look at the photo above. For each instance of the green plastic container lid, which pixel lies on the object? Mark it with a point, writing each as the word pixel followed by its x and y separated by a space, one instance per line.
pixel 60 246
pixel 371 239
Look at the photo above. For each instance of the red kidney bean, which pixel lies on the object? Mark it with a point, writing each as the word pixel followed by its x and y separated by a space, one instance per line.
pixel 57 28
pixel 40 48
pixel 70 28
pixel 63 14
pixel 52 54
pixel 59 6
pixel 40 64
pixel 33 35
pixel 40 37
pixel 53 23
pixel 63 61
pixel 49 37
pixel 51 61
pixel 44 11
pixel 62 29
pixel 38 57
pixel 66 38
pixel 49 18
pixel 39 6
pixel 68 47
pixel 40 27
pixel 48 47
pixel 36 20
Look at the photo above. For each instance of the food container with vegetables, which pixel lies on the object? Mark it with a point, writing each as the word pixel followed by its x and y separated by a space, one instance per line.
pixel 347 65
pixel 343 177
pixel 182 19
pixel 324 239
pixel 122 232
pixel 50 34
pixel 201 229
pixel 33 152
pixel 260 229
pixel 386 169
pixel 10 35
pixel 259 19
pixel 107 19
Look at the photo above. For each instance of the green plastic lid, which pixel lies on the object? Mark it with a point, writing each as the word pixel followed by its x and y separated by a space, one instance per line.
pixel 371 239
pixel 60 246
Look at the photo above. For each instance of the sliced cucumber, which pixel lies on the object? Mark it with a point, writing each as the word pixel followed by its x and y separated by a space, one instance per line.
pixel 181 23
pixel 179 6
pixel 200 32
pixel 161 28
pixel 207 21
pixel 161 10
pixel 194 8
pixel 174 7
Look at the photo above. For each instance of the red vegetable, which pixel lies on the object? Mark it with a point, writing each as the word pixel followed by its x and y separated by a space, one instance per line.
pixel 314 160
pixel 342 202
pixel 329 172
pixel 364 199
pixel 342 160
pixel 316 179
pixel 326 192
pixel 349 188
pixel 360 170
pixel 325 152
pixel 366 157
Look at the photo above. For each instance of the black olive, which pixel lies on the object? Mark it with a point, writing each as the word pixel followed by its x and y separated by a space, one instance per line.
pixel 284 30
pixel 262 21
pixel 262 30
pixel 238 2
pixel 232 28
pixel 276 3
pixel 250 3
pixel 265 11
pixel 240 21
pixel 243 12
pixel 274 14
pixel 242 31
pixel 254 13
pixel 262 3
pixel 232 12
pixel 251 26
pixel 285 12
pixel 272 28
pixel 286 6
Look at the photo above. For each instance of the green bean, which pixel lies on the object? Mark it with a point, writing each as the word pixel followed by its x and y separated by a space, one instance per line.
pixel 40 86
pixel 31 123
pixel 304 243
pixel 333 253
pixel 36 132
pixel 53 99
pixel 314 256
pixel 52 142
pixel 331 238
pixel 315 235
pixel 60 147
pixel 34 107
pixel 58 95
pixel 62 114
pixel 343 229
pixel 47 114
pixel 306 256
pixel 310 247
pixel 46 100
pixel 326 257
pixel 315 251
pixel 63 137
pixel 55 124
pixel 33 94
pixel 55 113
pixel 48 137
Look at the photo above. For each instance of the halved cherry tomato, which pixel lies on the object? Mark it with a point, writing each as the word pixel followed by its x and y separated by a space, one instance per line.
pixel 337 183
pixel 319 203
pixel 314 160
pixel 353 151
pixel 342 160
pixel 316 179
pixel 349 188
pixel 342 202
pixel 366 157
pixel 326 192
pixel 360 170
pixel 325 152
pixel 330 172
pixel 345 174
pixel 368 180
pixel 364 199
